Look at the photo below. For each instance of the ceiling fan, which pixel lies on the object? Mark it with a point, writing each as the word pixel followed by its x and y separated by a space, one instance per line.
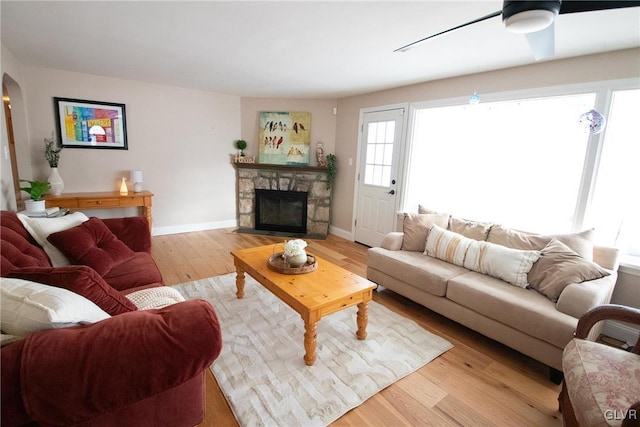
pixel 534 19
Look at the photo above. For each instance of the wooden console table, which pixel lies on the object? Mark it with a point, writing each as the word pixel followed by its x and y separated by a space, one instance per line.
pixel 102 200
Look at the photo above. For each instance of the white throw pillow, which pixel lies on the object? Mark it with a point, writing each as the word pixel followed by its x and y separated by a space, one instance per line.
pixel 447 245
pixel 40 228
pixel 510 265
pixel 29 307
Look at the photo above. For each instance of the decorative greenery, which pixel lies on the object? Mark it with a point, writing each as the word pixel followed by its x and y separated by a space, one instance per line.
pixel 332 170
pixel 241 145
pixel 37 189
pixel 51 151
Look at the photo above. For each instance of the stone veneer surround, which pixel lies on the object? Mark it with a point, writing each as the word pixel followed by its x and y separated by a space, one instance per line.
pixel 312 180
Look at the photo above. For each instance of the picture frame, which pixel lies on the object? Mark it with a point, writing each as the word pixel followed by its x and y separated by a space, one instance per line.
pixel 90 124
pixel 284 137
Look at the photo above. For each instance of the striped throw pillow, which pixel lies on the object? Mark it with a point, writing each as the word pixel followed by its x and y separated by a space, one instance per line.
pixel 447 245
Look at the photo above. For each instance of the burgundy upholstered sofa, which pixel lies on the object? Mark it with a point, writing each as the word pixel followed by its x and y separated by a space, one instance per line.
pixel 135 368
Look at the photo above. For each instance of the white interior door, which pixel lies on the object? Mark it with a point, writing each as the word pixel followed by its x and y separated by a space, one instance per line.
pixel 378 180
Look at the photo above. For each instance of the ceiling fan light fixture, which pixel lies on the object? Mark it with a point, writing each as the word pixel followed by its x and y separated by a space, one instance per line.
pixel 529 21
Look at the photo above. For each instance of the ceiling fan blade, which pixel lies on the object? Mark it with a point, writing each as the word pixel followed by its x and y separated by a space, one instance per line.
pixel 542 43
pixel 483 18
pixel 568 6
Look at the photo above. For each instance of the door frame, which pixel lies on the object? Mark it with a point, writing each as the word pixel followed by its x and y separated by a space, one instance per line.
pixel 401 159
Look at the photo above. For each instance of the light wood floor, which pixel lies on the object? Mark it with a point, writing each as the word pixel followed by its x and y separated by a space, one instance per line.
pixel 478 383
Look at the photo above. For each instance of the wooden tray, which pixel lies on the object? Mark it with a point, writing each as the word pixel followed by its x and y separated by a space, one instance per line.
pixel 276 263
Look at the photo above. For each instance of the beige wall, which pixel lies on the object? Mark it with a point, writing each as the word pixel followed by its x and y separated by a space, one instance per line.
pixel 181 139
pixel 323 121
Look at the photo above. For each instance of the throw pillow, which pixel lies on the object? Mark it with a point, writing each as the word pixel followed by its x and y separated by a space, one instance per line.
pixel 581 242
pixel 558 267
pixel 41 228
pixel 472 229
pixel 29 307
pixel 447 245
pixel 510 265
pixel 81 280
pixel 92 243
pixel 424 210
pixel 416 227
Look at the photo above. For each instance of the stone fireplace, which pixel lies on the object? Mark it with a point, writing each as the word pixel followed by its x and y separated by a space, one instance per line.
pixel 296 180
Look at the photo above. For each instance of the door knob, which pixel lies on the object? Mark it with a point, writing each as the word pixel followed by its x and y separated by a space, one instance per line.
pixel 392 192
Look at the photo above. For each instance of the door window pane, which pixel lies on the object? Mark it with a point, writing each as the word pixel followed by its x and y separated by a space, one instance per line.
pixel 380 138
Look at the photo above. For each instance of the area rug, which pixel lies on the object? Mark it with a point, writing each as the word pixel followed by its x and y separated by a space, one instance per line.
pixel 261 371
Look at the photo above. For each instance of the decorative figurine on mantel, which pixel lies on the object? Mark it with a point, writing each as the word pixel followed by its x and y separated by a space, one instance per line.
pixel 322 161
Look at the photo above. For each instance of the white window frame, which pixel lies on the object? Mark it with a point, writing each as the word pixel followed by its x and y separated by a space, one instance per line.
pixel 604 94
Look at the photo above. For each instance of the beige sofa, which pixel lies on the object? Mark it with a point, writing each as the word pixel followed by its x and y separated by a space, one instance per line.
pixel 522 318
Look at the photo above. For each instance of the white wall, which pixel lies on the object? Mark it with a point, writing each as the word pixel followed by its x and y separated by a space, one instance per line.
pixel 181 139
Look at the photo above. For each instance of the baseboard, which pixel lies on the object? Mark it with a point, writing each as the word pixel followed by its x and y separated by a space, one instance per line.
pixel 187 228
pixel 340 232
pixel 621 332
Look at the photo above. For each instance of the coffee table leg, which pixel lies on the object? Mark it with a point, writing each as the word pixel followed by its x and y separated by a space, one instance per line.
pixel 362 320
pixel 239 282
pixel 310 334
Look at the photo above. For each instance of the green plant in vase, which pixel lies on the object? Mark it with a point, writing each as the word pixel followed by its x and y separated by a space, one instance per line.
pixel 241 145
pixel 36 190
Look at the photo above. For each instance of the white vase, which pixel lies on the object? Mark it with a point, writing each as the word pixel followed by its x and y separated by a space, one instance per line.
pixel 34 206
pixel 296 260
pixel 57 184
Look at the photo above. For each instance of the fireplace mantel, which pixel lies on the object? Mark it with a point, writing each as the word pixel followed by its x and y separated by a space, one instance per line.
pixel 310 179
pixel 280 167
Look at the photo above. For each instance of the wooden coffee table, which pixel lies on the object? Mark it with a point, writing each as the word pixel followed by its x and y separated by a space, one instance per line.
pixel 313 295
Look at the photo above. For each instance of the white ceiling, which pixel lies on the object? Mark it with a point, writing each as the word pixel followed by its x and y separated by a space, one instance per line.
pixel 316 49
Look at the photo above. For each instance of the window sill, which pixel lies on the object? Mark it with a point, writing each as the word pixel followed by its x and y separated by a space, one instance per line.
pixel 630 265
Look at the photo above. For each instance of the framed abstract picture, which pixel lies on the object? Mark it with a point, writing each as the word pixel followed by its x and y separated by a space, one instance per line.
pixel 284 138
pixel 90 124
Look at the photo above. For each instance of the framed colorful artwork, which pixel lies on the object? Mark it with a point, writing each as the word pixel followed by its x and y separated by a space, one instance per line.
pixel 284 138
pixel 90 124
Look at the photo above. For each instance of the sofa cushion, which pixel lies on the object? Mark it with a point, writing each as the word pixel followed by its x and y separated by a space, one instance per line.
pixel 425 273
pixel 92 243
pixel 447 245
pixel 140 270
pixel 510 265
pixel 41 228
pixel 581 243
pixel 81 280
pixel 472 229
pixel 416 227
pixel 29 306
pixel 558 267
pixel 522 309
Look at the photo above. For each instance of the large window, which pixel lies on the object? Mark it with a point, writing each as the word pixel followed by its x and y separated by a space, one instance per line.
pixel 615 208
pixel 526 163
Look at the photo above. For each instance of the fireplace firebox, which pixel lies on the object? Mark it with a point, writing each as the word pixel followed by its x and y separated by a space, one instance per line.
pixel 281 211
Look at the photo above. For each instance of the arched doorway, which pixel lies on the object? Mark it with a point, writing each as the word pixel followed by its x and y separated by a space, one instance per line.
pixel 11 145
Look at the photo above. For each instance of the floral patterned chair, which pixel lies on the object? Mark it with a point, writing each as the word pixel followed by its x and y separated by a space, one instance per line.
pixel 601 383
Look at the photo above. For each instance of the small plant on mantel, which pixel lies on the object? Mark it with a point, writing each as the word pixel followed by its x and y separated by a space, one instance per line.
pixel 332 170
pixel 241 145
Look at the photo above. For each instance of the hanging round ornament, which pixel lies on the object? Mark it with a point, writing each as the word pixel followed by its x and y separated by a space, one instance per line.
pixel 593 121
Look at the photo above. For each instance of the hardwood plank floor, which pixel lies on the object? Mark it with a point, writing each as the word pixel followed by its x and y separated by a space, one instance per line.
pixel 477 383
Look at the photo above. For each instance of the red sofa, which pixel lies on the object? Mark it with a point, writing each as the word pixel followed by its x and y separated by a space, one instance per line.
pixel 136 368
